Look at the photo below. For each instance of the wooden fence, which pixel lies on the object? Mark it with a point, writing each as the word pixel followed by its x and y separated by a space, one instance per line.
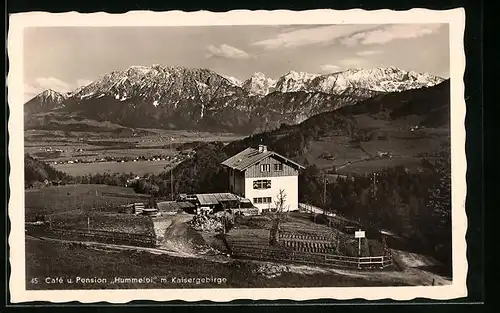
pixel 307 208
pixel 92 235
pixel 301 248
pixel 277 254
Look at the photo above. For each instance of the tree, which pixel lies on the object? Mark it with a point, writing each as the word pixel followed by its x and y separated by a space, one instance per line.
pixel 278 217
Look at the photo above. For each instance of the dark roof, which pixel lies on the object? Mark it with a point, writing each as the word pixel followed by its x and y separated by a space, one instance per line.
pixel 174 205
pixel 250 156
pixel 215 198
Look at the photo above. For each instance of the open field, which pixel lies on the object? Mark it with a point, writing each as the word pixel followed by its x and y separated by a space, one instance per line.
pixel 57 199
pixel 103 221
pixel 403 147
pixel 138 168
pixel 70 260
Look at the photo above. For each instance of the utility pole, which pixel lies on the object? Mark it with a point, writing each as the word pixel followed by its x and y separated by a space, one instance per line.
pixel 374 184
pixel 95 200
pixel 172 184
pixel 171 175
pixel 88 224
pixel 359 245
pixel 338 244
pixel 324 193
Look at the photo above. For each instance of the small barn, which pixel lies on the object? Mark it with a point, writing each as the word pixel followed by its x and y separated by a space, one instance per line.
pixel 214 202
pixel 172 207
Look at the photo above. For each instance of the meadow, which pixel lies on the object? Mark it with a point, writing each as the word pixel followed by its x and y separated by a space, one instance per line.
pixel 104 221
pixel 57 199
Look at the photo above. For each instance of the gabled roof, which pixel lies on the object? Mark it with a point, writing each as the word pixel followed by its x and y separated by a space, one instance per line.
pixel 250 156
pixel 215 198
pixel 174 205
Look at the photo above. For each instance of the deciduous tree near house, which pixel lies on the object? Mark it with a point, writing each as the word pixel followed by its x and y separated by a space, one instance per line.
pixel 279 214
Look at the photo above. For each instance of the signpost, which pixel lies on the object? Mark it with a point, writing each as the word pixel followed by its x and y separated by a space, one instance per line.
pixel 359 234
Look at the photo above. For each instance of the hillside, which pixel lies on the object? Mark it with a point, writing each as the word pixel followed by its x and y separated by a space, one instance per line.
pixel 201 99
pixel 38 171
pixel 386 130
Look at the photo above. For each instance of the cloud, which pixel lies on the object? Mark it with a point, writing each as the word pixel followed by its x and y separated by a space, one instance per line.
pixel 52 83
pixel 226 51
pixel 307 36
pixel 41 84
pixel 389 33
pixel 365 53
pixel 353 62
pixel 330 68
pixel 82 82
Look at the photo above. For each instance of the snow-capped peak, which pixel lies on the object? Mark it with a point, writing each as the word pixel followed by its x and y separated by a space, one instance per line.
pixel 51 95
pixel 140 69
pixel 294 81
pixel 384 79
pixel 300 75
pixel 259 84
pixel 233 80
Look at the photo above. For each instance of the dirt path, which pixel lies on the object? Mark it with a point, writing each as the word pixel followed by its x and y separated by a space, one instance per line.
pixel 176 236
pixel 106 246
pixel 181 239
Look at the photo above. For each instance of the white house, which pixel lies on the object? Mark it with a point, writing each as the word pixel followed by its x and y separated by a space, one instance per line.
pixel 259 175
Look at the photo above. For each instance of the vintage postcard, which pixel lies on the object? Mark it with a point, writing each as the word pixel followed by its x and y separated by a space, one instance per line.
pixel 239 155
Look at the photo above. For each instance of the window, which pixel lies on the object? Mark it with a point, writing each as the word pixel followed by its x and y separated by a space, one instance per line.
pixel 265 167
pixel 278 167
pixel 262 200
pixel 262 184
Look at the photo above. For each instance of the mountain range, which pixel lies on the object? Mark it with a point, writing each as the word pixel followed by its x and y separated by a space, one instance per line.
pixel 387 130
pixel 195 98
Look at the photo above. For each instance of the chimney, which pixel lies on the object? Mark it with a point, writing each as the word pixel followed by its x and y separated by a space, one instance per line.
pixel 262 148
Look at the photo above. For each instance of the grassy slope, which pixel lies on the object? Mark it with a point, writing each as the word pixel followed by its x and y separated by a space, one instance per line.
pixel 54 199
pixel 50 259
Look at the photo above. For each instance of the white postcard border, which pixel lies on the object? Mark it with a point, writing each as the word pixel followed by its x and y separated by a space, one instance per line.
pixel 456 20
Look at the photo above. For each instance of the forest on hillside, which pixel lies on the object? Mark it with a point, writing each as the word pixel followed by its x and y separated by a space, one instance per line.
pixel 415 205
pixel 38 171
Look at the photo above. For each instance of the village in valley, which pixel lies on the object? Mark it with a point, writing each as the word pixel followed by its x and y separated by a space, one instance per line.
pixel 182 177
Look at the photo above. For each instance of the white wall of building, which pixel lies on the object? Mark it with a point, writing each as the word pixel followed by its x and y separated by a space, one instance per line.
pixel 288 183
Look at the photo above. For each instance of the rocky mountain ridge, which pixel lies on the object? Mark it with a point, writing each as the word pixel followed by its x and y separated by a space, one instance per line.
pixel 197 98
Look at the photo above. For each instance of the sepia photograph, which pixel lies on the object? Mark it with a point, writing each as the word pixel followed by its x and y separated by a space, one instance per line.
pixel 239 154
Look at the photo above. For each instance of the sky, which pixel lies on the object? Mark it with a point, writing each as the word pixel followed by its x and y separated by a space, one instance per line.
pixel 65 58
